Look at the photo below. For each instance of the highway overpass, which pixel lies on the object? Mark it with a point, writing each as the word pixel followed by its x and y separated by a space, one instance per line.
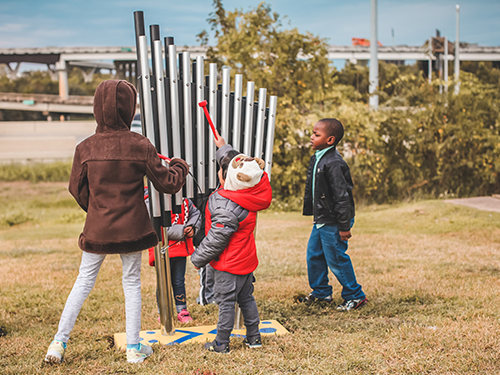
pixel 122 60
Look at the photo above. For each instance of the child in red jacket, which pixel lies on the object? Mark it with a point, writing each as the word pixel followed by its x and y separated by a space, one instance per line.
pixel 180 245
pixel 229 245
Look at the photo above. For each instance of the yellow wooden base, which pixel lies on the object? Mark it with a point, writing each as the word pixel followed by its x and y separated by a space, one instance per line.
pixel 196 334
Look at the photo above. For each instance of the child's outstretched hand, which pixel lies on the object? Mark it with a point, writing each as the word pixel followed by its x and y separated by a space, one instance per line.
pixel 219 142
pixel 344 236
pixel 188 232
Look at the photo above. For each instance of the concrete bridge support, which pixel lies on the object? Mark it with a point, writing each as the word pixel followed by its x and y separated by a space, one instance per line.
pixel 62 69
pixel 126 70
pixel 13 71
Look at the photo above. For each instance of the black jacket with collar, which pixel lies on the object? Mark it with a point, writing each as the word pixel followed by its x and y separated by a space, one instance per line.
pixel 333 203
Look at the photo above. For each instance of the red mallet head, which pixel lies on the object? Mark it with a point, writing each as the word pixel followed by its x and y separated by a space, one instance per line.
pixel 203 104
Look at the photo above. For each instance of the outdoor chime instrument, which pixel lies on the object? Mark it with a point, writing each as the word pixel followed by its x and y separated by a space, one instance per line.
pixel 175 124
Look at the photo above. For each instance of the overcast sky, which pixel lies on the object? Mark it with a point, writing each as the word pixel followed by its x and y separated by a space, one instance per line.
pixel 41 23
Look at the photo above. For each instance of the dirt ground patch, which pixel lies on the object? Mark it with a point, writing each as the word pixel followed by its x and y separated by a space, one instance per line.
pixel 481 203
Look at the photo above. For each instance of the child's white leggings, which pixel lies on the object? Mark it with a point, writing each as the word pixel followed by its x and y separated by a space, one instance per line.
pixel 131 280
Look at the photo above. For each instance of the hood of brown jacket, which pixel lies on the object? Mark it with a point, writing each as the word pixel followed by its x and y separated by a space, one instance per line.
pixel 114 106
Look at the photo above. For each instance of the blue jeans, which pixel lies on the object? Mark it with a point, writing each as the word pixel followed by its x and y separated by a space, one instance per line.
pixel 326 250
pixel 178 272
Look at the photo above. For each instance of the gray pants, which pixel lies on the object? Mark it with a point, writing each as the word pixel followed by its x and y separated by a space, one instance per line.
pixel 230 289
pixel 206 293
pixel 131 281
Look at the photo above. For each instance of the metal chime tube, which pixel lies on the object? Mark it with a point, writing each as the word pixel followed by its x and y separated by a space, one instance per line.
pixel 148 126
pixel 212 103
pixel 148 113
pixel 249 118
pixel 200 121
pixel 268 155
pixel 238 86
pixel 259 133
pixel 162 110
pixel 162 260
pixel 226 80
pixel 188 123
pixel 174 108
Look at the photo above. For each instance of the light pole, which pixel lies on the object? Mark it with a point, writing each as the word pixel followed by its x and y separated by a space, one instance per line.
pixel 457 53
pixel 373 58
pixel 446 64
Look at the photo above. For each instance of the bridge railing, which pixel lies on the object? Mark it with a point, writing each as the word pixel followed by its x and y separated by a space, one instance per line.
pixel 45 98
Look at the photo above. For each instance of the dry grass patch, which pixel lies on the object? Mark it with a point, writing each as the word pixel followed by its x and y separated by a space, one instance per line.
pixel 430 270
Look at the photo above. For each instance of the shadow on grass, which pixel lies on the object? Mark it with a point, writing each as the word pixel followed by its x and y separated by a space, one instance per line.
pixel 380 314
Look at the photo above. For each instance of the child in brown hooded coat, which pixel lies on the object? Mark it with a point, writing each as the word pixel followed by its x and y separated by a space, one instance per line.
pixel 107 182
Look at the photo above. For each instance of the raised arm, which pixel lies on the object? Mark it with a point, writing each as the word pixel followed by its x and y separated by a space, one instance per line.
pixel 166 180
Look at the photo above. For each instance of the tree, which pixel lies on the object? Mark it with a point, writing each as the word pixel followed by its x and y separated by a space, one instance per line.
pixel 289 64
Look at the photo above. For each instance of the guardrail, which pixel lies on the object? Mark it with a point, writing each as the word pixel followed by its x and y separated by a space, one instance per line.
pixel 45 98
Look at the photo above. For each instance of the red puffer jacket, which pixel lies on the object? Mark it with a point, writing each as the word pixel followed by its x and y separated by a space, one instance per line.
pixel 230 220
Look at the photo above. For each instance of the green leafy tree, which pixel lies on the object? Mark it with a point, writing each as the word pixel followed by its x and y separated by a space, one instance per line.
pixel 289 64
pixel 419 144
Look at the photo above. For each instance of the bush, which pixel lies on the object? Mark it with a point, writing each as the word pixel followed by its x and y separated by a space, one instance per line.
pixel 38 172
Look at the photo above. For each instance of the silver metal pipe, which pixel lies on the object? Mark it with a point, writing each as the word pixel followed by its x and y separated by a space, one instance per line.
pixel 457 53
pixel 174 109
pixel 212 103
pixel 249 118
pixel 164 289
pixel 162 109
pixel 238 87
pixel 259 132
pixel 238 317
pixel 271 124
pixel 430 60
pixel 226 82
pixel 188 123
pixel 374 57
pixel 200 122
pixel 148 112
pixel 164 282
pixel 446 63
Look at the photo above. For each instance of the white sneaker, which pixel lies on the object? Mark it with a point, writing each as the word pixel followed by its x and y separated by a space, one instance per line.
pixel 139 355
pixel 55 353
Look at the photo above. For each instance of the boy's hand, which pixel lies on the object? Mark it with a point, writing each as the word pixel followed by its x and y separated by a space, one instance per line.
pixel 344 236
pixel 219 142
pixel 189 232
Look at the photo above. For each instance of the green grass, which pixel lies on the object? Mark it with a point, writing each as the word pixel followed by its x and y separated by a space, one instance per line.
pixel 430 270
pixel 36 172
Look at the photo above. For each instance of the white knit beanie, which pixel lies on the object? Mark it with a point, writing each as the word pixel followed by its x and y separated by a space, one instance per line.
pixel 243 172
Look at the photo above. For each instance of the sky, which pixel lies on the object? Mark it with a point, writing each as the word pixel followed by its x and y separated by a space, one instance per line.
pixel 42 23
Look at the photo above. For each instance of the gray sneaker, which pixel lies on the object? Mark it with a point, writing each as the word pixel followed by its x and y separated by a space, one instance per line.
pixel 253 342
pixel 214 346
pixel 352 304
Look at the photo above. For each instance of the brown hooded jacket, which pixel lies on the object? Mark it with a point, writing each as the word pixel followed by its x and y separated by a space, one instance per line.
pixel 108 172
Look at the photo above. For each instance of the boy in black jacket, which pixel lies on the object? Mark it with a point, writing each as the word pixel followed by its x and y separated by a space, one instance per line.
pixel 328 197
